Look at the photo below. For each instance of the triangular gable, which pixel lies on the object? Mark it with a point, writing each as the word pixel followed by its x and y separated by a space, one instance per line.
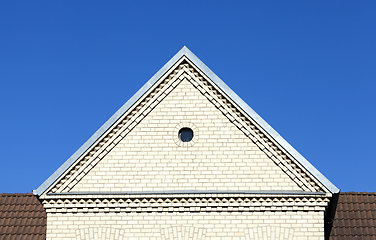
pixel 151 157
pixel 186 64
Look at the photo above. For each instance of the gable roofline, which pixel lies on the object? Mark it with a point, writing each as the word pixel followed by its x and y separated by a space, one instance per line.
pixel 184 51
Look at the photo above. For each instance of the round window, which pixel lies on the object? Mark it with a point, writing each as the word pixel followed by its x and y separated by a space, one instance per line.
pixel 185 134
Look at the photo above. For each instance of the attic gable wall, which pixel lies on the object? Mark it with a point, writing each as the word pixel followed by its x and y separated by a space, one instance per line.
pixel 128 180
pixel 152 158
pixel 184 69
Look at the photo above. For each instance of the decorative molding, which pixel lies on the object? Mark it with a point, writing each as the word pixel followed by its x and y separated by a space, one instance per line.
pixel 201 193
pixel 77 204
pixel 120 129
pixel 184 70
pixel 250 128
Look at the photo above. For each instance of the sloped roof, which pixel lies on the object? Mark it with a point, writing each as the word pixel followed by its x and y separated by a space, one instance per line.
pixel 355 217
pixel 22 216
pixel 223 87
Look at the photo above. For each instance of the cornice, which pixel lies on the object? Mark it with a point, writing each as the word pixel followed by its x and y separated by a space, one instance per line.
pixel 184 203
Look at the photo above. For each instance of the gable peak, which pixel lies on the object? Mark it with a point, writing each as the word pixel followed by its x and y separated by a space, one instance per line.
pixel 185 56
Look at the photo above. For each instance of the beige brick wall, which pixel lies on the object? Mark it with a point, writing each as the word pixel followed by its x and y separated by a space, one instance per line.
pixel 221 158
pixel 187 225
pixel 152 158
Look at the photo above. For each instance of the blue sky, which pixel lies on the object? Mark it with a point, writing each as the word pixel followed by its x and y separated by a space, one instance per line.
pixel 307 67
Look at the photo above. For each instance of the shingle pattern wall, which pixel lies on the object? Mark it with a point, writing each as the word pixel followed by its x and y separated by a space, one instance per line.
pixel 22 216
pixel 355 217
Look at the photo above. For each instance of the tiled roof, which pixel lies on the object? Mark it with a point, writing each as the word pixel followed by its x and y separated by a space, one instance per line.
pixel 22 216
pixel 355 217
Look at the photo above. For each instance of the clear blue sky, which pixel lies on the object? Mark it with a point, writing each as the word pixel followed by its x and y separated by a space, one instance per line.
pixel 307 67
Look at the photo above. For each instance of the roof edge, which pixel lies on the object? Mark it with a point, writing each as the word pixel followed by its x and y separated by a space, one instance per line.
pixel 174 192
pixel 273 133
pixel 47 183
pixel 184 51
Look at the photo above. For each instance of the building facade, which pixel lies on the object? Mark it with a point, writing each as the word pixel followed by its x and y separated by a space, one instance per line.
pixel 186 158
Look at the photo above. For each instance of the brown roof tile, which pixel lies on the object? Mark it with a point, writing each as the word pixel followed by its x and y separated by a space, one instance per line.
pixel 355 217
pixel 22 216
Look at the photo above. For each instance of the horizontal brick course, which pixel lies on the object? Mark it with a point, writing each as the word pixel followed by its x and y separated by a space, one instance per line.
pixel 212 225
